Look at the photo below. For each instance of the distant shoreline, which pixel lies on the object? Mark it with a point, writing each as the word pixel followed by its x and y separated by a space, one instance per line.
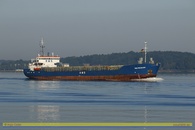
pixel 11 70
pixel 176 71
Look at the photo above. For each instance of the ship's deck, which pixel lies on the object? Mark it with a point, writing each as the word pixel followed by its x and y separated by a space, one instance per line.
pixel 82 68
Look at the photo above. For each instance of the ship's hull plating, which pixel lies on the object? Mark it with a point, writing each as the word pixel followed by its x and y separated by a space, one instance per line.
pixel 125 73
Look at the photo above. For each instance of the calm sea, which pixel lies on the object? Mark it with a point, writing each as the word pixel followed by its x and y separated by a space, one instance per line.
pixel 171 100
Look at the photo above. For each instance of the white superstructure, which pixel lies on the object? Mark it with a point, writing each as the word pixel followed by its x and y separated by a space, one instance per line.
pixel 43 61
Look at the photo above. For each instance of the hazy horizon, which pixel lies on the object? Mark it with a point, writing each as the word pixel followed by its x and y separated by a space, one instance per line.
pixel 86 27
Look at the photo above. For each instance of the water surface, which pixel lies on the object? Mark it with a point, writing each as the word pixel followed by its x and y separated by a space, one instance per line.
pixel 23 100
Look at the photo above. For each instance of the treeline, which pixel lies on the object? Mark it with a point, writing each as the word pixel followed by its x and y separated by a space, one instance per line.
pixel 175 61
pixel 104 59
pixel 170 60
pixel 13 64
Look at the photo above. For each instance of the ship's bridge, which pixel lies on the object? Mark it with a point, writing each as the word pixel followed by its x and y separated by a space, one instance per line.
pixel 43 61
pixel 48 60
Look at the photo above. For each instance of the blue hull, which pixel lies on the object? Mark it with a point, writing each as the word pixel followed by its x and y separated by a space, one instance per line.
pixel 124 73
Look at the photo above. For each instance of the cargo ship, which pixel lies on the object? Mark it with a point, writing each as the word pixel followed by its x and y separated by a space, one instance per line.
pixel 48 67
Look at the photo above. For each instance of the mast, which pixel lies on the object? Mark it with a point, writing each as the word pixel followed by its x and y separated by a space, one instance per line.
pixel 42 47
pixel 145 50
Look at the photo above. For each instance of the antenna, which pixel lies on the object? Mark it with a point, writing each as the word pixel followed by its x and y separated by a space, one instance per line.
pixel 145 50
pixel 42 47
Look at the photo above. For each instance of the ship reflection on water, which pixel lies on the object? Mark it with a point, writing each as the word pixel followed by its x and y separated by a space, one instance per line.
pixel 45 113
pixel 43 85
pixel 40 111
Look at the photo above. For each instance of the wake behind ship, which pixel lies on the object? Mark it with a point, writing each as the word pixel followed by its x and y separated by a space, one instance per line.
pixel 48 67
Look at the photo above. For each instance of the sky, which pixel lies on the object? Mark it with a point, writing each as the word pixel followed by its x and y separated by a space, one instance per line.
pixel 85 27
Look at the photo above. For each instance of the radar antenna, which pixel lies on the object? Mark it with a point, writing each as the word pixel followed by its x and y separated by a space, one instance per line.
pixel 42 47
pixel 145 50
